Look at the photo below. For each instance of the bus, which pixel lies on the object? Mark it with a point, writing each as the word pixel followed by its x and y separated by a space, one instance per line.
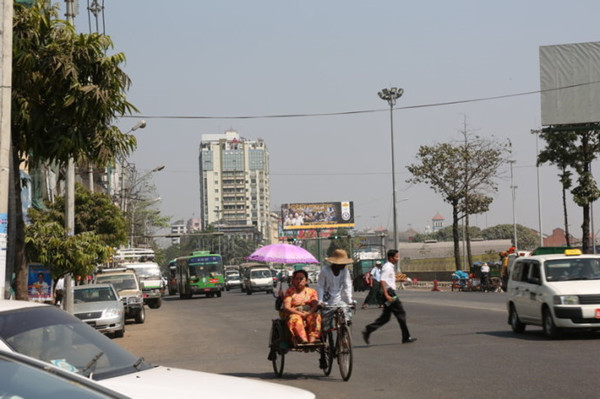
pixel 200 273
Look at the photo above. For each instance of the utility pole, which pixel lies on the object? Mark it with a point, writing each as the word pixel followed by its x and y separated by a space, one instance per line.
pixel 69 189
pixel 5 140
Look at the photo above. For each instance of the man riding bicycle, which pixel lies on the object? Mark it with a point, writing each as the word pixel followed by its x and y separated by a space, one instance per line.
pixel 335 287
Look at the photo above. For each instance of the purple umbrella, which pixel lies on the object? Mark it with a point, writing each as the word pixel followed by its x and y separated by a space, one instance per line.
pixel 282 253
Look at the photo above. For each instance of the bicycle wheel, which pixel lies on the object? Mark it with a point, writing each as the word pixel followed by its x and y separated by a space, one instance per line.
pixel 344 351
pixel 276 354
pixel 328 353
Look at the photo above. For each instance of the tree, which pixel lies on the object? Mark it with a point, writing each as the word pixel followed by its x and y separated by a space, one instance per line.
pixel 95 213
pixel 78 254
pixel 461 174
pixel 578 147
pixel 66 93
pixel 528 238
pixel 559 151
pixel 341 239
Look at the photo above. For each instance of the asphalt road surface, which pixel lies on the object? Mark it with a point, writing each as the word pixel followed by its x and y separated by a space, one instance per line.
pixel 465 349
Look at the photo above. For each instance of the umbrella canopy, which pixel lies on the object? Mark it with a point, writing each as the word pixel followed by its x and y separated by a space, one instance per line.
pixel 282 253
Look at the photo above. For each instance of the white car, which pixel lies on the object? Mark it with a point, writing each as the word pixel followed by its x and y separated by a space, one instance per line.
pixel 23 377
pixel 54 336
pixel 554 291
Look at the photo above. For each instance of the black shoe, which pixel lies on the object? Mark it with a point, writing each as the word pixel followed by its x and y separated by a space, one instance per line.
pixel 365 335
pixel 408 340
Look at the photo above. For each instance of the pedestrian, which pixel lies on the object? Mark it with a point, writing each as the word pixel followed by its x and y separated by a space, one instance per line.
pixel 485 276
pixel 392 303
pixel 372 297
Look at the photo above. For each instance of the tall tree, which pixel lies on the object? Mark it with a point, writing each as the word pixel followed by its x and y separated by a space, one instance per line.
pixel 462 173
pixel 560 151
pixel 66 94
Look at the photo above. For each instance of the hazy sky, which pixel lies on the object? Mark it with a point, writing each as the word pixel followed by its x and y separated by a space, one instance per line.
pixel 259 58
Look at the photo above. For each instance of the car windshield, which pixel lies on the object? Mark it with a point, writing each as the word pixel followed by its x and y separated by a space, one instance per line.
pixel 233 276
pixel 260 274
pixel 95 294
pixel 52 335
pixel 146 272
pixel 119 282
pixel 566 269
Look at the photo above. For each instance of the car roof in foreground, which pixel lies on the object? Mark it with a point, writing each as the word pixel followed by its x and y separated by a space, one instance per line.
pixel 558 256
pixel 99 285
pixel 6 305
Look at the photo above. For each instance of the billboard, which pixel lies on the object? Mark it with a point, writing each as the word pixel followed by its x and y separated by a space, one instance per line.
pixel 317 215
pixel 570 83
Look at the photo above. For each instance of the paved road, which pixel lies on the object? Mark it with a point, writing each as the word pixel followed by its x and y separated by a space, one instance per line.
pixel 465 349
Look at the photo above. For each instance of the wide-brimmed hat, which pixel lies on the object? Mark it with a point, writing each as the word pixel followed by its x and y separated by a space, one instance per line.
pixel 378 263
pixel 339 257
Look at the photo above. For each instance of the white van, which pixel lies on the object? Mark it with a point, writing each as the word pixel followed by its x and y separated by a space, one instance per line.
pixel 257 278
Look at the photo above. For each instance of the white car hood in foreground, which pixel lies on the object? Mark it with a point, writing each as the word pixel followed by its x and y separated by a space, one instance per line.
pixel 167 382
pixel 576 287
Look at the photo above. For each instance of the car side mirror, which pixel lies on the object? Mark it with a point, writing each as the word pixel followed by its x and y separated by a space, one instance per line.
pixel 534 280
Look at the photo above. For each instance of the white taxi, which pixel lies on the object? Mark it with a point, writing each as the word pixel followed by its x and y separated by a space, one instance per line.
pixel 554 291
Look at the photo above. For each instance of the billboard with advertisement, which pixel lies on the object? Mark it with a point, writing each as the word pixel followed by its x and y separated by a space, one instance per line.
pixel 39 283
pixel 317 215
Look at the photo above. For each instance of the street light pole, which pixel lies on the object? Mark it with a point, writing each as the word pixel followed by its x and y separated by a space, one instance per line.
pixel 391 95
pixel 513 188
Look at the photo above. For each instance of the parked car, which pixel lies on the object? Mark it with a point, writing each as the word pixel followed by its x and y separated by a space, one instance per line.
pixel 232 280
pixel 557 292
pixel 25 377
pixel 52 335
pixel 128 287
pixel 99 306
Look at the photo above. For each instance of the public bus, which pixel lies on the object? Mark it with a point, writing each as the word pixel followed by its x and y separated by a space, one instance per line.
pixel 200 273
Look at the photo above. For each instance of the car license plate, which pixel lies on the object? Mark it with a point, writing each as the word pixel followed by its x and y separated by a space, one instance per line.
pixel 598 313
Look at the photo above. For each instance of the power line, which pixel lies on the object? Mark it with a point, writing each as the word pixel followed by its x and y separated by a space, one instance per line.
pixel 308 115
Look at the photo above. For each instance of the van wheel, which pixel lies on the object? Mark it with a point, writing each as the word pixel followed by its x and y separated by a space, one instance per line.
pixel 141 316
pixel 550 329
pixel 515 323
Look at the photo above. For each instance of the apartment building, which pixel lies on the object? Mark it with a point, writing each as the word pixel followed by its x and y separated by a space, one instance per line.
pixel 234 182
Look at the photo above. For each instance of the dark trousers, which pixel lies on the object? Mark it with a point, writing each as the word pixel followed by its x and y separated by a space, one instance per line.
pixel 397 310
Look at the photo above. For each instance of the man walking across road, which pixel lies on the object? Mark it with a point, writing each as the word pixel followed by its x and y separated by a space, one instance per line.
pixel 392 303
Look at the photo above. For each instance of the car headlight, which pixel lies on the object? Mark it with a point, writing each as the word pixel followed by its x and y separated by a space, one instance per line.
pixel 112 312
pixel 566 300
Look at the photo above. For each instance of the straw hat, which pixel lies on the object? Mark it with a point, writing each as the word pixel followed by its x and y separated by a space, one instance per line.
pixel 339 257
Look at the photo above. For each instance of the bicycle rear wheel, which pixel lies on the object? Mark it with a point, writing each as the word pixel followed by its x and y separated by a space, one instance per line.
pixel 344 351
pixel 277 355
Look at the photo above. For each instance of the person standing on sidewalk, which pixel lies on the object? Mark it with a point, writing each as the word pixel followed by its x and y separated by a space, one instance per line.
pixel 392 303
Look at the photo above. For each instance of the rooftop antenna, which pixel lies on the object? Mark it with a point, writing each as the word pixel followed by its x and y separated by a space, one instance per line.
pixel 96 8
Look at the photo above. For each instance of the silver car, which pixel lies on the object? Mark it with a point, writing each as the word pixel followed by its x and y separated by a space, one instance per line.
pixel 99 306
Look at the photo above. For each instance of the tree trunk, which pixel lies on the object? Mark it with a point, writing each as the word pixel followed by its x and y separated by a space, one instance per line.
pixel 21 272
pixel 455 236
pixel 468 241
pixel 564 200
pixel 585 230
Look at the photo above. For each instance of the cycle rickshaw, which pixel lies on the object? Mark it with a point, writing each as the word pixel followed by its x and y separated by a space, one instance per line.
pixel 335 344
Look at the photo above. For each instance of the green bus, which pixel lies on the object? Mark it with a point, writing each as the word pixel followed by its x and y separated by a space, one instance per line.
pixel 200 273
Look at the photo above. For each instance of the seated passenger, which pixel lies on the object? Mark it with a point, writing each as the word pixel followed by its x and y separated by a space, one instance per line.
pixel 300 305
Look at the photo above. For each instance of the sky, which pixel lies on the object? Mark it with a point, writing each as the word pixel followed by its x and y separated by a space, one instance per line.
pixel 196 66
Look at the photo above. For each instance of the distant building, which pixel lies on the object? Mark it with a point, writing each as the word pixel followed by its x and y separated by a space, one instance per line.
pixel 558 239
pixel 177 228
pixel 193 224
pixel 234 183
pixel 437 223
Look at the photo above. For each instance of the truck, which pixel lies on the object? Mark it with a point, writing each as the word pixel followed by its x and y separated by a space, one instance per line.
pixel 141 261
pixel 365 257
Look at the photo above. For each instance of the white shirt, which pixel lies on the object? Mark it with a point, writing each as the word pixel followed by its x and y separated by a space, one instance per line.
pixel 334 289
pixel 485 269
pixel 388 275
pixel 376 273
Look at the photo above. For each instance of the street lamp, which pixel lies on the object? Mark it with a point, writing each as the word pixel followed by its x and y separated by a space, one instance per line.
pixel 391 95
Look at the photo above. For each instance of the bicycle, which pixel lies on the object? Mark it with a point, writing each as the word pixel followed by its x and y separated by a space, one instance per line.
pixel 329 348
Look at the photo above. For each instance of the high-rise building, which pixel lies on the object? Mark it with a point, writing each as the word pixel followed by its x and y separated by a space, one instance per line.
pixel 177 228
pixel 234 182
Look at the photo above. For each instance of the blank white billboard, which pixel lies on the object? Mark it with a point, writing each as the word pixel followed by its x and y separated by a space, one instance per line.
pixel 570 83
